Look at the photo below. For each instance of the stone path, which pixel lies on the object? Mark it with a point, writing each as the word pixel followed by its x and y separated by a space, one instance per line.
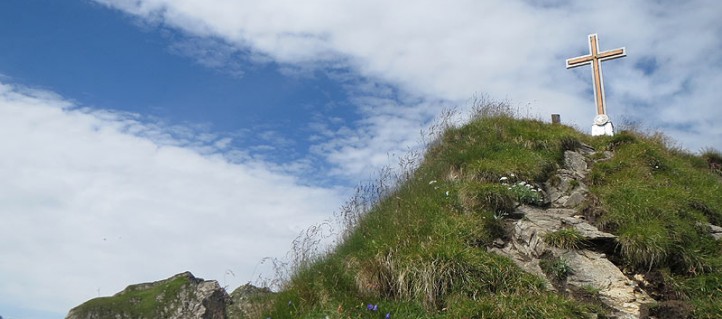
pixel 590 270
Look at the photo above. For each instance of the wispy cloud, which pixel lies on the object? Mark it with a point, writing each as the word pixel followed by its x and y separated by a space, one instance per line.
pixel 95 200
pixel 212 53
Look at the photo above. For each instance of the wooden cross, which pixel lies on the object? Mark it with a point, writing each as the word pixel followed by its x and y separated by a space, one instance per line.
pixel 595 58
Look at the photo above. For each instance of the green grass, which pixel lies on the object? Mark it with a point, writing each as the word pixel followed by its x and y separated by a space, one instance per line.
pixel 657 199
pixel 566 238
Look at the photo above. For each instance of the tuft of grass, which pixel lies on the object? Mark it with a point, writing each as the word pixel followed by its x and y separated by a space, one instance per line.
pixel 645 245
pixel 498 199
pixel 565 238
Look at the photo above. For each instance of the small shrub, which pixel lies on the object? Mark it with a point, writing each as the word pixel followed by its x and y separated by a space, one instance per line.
pixel 527 194
pixel 567 238
pixel 574 183
pixel 556 267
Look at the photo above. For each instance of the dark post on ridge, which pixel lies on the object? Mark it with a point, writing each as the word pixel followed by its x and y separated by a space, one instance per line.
pixel 556 119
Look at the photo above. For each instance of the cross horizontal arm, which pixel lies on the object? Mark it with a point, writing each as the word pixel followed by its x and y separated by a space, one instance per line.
pixel 579 61
pixel 612 54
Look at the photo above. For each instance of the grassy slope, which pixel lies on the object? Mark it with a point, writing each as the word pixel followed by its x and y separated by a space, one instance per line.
pixel 421 251
pixel 658 200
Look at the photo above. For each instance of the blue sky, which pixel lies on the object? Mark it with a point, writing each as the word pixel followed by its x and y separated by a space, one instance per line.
pixel 143 138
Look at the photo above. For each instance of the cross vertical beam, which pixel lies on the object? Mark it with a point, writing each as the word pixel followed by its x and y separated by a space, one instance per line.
pixel 594 58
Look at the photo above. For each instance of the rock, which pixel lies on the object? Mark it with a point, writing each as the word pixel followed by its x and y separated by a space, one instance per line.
pixel 572 200
pixel 247 301
pixel 587 231
pixel 592 269
pixel 715 231
pixel 182 296
pixel 589 268
pixel 586 150
pixel 565 188
pixel 575 162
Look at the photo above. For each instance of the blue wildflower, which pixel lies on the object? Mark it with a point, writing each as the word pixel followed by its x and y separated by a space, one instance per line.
pixel 388 315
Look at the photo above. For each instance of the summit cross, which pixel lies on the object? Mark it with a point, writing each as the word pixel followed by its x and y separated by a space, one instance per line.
pixel 602 125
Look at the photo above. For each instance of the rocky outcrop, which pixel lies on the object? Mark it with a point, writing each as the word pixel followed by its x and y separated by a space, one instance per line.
pixel 247 301
pixel 578 262
pixel 182 296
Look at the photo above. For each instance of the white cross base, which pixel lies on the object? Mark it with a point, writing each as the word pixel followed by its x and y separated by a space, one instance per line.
pixel 605 129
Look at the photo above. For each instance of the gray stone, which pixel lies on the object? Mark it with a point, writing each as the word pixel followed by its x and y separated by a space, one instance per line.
pixel 586 150
pixel 575 198
pixel 715 231
pixel 587 231
pixel 589 269
pixel 575 162
pixel 247 301
pixel 592 269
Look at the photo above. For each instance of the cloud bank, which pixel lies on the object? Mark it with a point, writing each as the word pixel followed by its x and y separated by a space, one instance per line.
pixel 508 49
pixel 95 200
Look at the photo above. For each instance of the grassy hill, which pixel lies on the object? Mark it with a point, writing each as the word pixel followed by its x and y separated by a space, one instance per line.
pixel 421 250
pixel 420 247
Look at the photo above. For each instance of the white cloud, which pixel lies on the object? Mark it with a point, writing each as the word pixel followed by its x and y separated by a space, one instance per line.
pixel 449 50
pixel 96 200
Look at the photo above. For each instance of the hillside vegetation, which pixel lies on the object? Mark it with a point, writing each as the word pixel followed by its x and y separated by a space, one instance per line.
pixel 421 250
pixel 428 244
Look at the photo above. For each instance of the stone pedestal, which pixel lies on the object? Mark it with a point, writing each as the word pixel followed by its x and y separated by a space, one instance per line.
pixel 606 129
pixel 602 126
